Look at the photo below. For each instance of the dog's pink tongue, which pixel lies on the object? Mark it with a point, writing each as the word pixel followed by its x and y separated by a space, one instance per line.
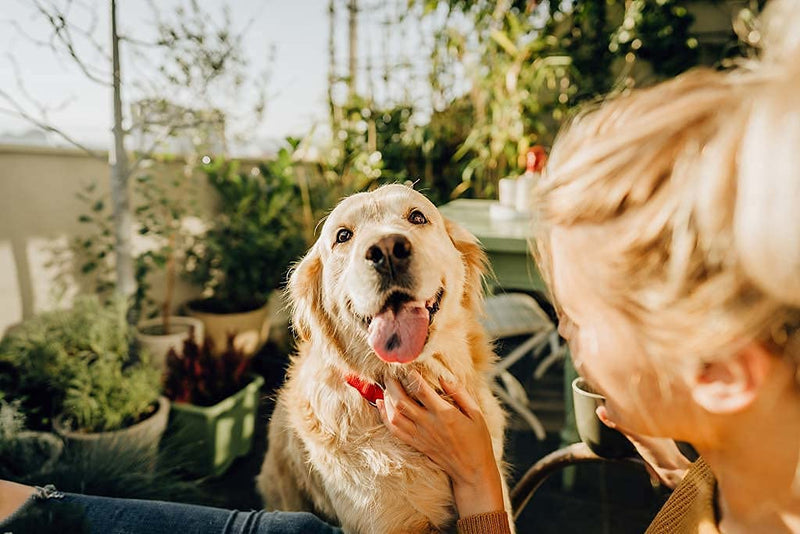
pixel 399 336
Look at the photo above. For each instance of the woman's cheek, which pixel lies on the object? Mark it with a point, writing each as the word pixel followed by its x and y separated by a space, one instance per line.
pixel 601 357
pixel 587 348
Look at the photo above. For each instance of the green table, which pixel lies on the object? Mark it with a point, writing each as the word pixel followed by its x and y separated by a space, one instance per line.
pixel 506 243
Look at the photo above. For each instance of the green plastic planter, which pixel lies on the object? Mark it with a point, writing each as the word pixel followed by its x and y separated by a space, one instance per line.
pixel 212 437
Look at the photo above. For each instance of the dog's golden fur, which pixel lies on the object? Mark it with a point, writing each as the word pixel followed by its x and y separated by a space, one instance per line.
pixel 328 450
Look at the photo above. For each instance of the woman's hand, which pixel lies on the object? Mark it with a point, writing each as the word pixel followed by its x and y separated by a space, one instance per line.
pixel 663 460
pixel 456 438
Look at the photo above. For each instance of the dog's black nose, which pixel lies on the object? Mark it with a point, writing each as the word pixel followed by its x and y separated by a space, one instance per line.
pixel 390 255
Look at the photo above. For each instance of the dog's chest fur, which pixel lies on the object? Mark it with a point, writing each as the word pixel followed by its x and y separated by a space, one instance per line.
pixel 370 481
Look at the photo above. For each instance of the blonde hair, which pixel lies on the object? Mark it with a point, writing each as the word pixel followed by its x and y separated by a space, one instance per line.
pixel 697 184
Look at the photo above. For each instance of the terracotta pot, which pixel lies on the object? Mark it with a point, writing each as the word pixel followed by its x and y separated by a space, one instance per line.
pixel 149 334
pixel 141 439
pixel 249 329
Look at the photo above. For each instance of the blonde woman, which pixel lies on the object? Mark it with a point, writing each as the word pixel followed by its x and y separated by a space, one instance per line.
pixel 669 228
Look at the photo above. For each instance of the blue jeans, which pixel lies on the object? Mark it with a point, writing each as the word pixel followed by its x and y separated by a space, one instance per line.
pixel 52 511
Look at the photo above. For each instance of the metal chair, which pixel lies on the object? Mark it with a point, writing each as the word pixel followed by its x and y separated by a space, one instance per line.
pixel 575 454
pixel 518 314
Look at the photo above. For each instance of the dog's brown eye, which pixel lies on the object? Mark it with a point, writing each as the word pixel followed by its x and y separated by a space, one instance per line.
pixel 417 217
pixel 343 235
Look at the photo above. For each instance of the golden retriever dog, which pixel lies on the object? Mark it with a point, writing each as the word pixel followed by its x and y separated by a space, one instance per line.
pixel 389 286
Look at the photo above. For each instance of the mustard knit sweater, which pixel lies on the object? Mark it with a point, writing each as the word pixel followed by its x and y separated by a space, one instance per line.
pixel 690 508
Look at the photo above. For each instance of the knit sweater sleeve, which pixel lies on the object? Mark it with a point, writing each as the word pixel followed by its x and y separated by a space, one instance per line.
pixel 690 508
pixel 488 523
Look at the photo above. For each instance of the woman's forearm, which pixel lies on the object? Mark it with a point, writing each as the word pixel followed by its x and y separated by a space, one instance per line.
pixel 479 497
pixel 12 496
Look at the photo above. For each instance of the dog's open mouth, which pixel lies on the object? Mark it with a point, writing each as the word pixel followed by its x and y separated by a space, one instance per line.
pixel 399 331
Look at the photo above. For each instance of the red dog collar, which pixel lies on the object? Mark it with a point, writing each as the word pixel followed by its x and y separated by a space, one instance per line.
pixel 369 390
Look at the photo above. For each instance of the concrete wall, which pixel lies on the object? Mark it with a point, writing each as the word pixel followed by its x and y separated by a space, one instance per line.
pixel 39 212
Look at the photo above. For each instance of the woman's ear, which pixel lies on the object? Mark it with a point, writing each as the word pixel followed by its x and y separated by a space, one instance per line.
pixel 476 263
pixel 731 385
pixel 305 293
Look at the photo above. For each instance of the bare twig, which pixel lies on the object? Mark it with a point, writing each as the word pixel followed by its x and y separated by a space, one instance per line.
pixel 89 33
pixel 139 42
pixel 23 90
pixel 62 33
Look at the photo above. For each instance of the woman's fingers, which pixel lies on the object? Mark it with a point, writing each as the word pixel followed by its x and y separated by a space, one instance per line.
pixel 400 425
pixel 400 400
pixel 425 394
pixel 463 400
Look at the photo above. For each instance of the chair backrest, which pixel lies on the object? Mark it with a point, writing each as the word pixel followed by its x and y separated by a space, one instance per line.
pixel 514 314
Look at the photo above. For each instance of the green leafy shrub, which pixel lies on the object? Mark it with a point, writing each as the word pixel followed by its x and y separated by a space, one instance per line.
pixel 109 396
pixel 78 363
pixel 376 145
pixel 246 252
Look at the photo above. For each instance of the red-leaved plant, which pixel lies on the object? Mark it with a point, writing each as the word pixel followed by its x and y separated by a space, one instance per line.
pixel 198 377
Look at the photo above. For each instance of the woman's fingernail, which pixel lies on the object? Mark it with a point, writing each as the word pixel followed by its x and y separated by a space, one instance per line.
pixel 415 380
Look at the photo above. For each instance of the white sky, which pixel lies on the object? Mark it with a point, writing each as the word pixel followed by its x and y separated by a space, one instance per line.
pixel 297 29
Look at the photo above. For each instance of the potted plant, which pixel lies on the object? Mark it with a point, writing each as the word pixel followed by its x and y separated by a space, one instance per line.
pixel 214 405
pixel 24 453
pixel 74 370
pixel 246 252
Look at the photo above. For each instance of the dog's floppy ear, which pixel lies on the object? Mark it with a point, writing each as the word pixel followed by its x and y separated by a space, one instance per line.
pixel 476 263
pixel 305 293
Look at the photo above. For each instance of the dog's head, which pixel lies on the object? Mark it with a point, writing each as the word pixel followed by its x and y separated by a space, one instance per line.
pixel 386 276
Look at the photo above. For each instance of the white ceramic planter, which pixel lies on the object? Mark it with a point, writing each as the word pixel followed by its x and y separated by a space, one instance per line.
pixel 159 345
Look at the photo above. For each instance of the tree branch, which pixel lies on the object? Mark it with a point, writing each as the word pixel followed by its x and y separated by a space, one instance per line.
pixel 62 34
pixel 41 108
pixel 139 42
